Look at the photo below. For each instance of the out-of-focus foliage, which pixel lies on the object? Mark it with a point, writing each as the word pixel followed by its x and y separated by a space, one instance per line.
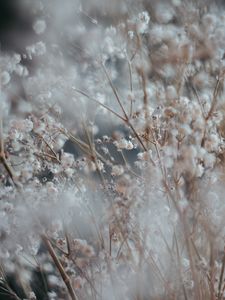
pixel 112 150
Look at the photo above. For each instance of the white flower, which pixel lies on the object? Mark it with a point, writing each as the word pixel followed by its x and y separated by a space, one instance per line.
pixel 212 143
pixel 27 125
pixel 164 13
pixel 100 165
pixel 199 170
pixel 209 160
pixel 59 142
pixel 67 160
pixel 39 127
pixel 37 49
pixel 117 170
pixel 39 26
pixel 185 262
pixel 171 92
pixel 143 156
pixel 52 295
pixel 5 78
pixel 51 188
pixel 143 21
pixel 16 146
pixel 185 129
pixel 124 144
pixel 32 296
pixel 156 34
pixel 131 34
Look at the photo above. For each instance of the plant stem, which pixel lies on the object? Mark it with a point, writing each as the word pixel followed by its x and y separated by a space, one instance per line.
pixel 60 268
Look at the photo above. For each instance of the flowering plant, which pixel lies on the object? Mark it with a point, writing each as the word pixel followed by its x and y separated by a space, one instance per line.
pixel 112 152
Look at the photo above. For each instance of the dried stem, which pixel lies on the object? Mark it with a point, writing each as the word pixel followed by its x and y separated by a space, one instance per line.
pixel 99 103
pixel 115 92
pixel 214 101
pixel 5 289
pixel 221 279
pixel 60 268
pixel 2 155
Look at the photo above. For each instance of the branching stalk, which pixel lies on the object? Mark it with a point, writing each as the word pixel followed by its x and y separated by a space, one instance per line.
pixel 60 268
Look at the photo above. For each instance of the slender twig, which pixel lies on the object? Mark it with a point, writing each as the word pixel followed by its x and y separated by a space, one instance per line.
pixel 130 75
pixel 214 100
pixel 60 268
pixel 197 97
pixel 50 148
pixel 137 136
pixel 180 267
pixel 43 154
pixel 94 156
pixel 221 278
pixel 1 136
pixel 115 92
pixel 141 73
pixel 131 87
pixel 99 103
pixel 189 247
pixel 129 169
pixel 2 155
pixel 125 119
pixel 43 276
pixel 83 146
pixel 6 288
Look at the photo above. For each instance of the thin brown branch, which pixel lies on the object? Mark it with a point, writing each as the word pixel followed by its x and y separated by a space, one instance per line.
pixel 215 97
pixel 221 279
pixel 115 92
pixel 125 119
pixel 6 288
pixel 183 218
pixel 3 158
pixel 99 103
pixel 60 268
pixel 94 156
pixel 43 154
pixel 50 148
pixel 137 135
pixel 82 145
pixel 198 99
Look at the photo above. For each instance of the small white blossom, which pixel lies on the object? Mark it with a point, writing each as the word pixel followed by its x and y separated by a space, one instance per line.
pixel 69 172
pixel 171 92
pixel 67 160
pixel 131 34
pixel 16 145
pixel 143 21
pixel 199 170
pixel 32 296
pixel 52 295
pixel 39 26
pixel 209 160
pixel 39 127
pixel 37 49
pixel 212 143
pixel 117 170
pixel 5 78
pixel 164 13
pixel 124 144
pixel 27 125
